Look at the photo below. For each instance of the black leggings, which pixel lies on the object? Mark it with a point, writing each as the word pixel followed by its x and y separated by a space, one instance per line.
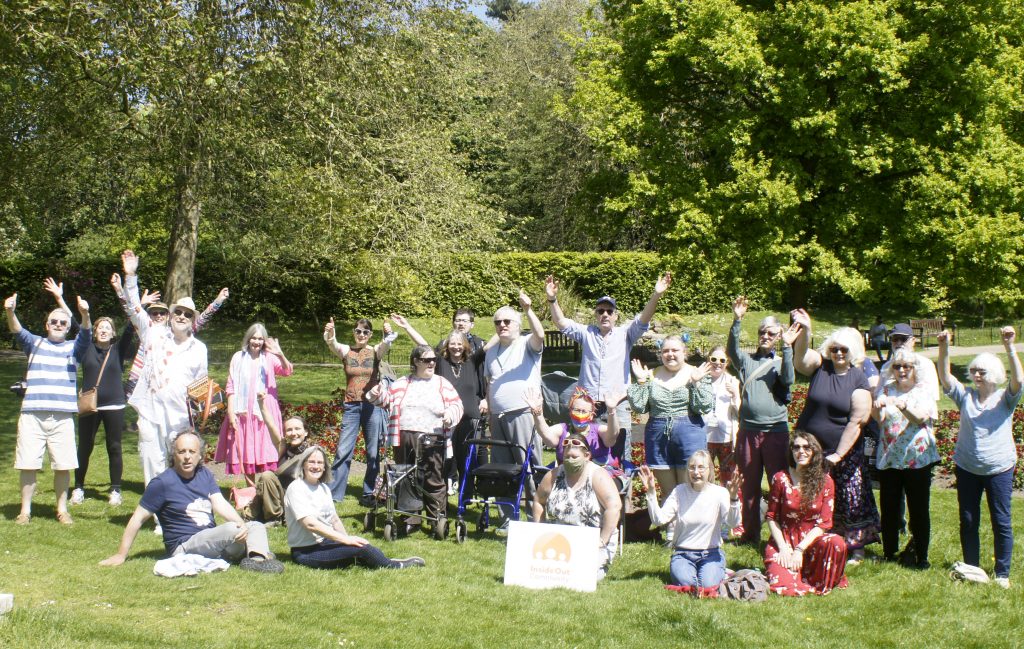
pixel 113 427
pixel 329 554
pixel 916 484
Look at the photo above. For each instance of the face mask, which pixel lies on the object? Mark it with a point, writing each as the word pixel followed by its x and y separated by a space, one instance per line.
pixel 579 422
pixel 575 464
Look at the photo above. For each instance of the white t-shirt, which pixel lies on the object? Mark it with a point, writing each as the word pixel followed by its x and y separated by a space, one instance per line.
pixel 697 516
pixel 721 421
pixel 302 500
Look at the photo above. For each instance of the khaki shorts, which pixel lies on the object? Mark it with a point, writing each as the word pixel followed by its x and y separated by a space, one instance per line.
pixel 52 431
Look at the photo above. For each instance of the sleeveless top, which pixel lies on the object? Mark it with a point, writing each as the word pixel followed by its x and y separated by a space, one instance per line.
pixel 360 373
pixel 579 506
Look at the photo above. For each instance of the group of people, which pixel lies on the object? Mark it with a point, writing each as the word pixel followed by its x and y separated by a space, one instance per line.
pixel 821 511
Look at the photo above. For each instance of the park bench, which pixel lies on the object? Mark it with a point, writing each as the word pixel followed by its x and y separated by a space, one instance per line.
pixel 556 341
pixel 925 327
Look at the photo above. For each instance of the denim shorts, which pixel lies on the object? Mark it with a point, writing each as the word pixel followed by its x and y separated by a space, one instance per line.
pixel 668 448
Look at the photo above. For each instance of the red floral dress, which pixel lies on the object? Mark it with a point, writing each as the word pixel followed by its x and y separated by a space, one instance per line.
pixel 825 561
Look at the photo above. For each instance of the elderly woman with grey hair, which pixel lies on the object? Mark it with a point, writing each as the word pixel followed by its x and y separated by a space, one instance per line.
pixel 985 454
pixel 245 444
pixel 905 411
pixel 838 404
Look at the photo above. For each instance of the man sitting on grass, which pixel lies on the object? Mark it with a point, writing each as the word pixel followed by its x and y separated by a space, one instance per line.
pixel 185 498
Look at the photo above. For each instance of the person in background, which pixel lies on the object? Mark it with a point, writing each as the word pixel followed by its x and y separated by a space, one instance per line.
pixel 722 422
pixel 877 336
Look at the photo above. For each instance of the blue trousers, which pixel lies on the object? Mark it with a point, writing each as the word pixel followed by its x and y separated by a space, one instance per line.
pixel 704 568
pixel 356 415
pixel 998 489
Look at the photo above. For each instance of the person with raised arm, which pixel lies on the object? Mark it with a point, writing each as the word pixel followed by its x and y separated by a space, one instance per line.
pixel 985 454
pixel 362 372
pixel 604 366
pixel 763 434
pixel 49 402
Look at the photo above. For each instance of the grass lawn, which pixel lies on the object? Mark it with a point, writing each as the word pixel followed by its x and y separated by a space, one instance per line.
pixel 64 599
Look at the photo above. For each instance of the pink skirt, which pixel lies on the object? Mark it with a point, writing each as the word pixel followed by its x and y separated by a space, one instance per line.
pixel 249 449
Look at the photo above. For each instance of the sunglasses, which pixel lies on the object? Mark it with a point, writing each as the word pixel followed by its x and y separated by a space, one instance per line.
pixel 797 448
pixel 55 322
pixel 902 366
pixel 978 371
pixel 604 311
pixel 362 332
pixel 717 359
pixel 899 339
pixel 771 333
pixel 568 441
pixel 503 322
pixel 158 314
pixel 428 361
pixel 183 312
pixel 836 349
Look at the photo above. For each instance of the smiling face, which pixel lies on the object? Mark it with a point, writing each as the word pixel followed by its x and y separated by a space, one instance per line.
pixel 766 338
pixel 462 322
pixel 606 316
pixel 506 325
pixel 698 470
pixel 673 354
pixel 181 320
pixel 718 361
pixel 802 451
pixel 314 466
pixel 294 432
pixel 57 324
pixel 256 344
pixel 840 355
pixel 426 364
pixel 904 373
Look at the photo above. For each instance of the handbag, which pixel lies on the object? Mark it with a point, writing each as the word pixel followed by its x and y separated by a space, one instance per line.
pixel 87 399
pixel 205 396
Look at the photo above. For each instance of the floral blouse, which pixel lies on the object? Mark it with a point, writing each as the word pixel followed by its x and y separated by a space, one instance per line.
pixel 903 444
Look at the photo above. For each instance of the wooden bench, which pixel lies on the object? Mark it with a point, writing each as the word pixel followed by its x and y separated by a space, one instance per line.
pixel 926 327
pixel 556 341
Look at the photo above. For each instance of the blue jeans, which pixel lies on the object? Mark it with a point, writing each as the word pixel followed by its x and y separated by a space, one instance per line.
pixel 666 449
pixel 999 487
pixel 329 554
pixel 703 568
pixel 357 414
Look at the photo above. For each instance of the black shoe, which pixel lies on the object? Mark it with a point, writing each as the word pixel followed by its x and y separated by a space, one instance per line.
pixel 367 500
pixel 411 562
pixel 259 564
pixel 921 565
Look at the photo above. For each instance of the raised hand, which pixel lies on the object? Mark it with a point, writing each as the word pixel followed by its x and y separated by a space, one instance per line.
pixel 790 335
pixel 129 262
pixel 386 327
pixel 149 298
pixel 223 296
pixel 663 284
pixel 640 371
pixel 83 306
pixel 524 300
pixel 699 372
pixel 647 478
pixel 614 398
pixel 801 317
pixel 739 307
pixel 1008 335
pixel 272 346
pixel 533 399
pixel 943 338
pixel 551 287
pixel 11 303
pixel 329 329
pixel 400 320
pixel 115 283
pixel 733 485
pixel 53 288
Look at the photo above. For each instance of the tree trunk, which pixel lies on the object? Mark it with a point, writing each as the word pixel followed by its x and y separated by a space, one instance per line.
pixel 181 255
pixel 797 293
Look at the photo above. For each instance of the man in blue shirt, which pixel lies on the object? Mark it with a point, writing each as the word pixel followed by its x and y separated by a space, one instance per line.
pixel 185 497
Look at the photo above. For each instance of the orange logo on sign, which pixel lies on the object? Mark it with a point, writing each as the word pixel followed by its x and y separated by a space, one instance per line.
pixel 553 547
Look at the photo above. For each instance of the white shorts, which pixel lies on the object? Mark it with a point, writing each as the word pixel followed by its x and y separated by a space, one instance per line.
pixel 41 431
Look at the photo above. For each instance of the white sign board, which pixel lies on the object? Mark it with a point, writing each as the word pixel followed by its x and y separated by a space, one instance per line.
pixel 539 555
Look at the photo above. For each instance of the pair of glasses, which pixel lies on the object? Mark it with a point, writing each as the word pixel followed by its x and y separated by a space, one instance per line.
pixel 158 314
pixel 717 359
pixel 604 311
pixel 462 320
pixel 55 322
pixel 362 332
pixel 801 448
pixel 836 349
pixel 503 322
pixel 902 366
pixel 899 339
pixel 183 312
pixel 978 371
pixel 568 441
pixel 428 361
pixel 768 332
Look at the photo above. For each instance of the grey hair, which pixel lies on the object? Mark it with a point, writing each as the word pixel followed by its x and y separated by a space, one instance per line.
pixel 845 337
pixel 510 313
pixel 994 370
pixel 255 328
pixel 182 433
pixel 770 322
pixel 904 355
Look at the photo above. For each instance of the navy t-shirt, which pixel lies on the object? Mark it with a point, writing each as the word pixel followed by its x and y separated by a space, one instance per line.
pixel 827 410
pixel 183 506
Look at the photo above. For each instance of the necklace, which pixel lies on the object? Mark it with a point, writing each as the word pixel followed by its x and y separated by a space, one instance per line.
pixel 456 369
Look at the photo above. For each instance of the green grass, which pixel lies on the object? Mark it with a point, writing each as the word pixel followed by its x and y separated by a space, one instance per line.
pixel 64 599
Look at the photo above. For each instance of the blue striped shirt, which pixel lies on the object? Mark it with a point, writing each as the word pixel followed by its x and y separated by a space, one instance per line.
pixel 52 372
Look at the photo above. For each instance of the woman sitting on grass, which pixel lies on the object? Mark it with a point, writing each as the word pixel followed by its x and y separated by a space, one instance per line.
pixel 696 509
pixel 315 533
pixel 985 454
pixel 802 556
pixel 579 492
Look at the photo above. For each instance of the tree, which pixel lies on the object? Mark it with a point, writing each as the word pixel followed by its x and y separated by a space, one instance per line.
pixel 802 148
pixel 506 10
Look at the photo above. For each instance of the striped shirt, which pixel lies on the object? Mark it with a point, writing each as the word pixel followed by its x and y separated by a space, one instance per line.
pixel 439 392
pixel 52 371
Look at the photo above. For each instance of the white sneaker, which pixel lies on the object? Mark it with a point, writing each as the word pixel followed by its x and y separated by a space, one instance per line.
pixel 115 499
pixel 77 497
pixel 159 531
pixel 1002 582
pixel 451 488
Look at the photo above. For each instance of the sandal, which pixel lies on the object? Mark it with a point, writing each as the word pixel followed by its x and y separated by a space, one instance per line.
pixel 64 518
pixel 23 519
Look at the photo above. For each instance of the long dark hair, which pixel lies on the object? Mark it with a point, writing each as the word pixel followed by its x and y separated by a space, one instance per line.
pixel 812 478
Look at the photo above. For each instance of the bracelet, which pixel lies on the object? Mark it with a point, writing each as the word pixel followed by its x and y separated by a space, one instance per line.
pixel 552 299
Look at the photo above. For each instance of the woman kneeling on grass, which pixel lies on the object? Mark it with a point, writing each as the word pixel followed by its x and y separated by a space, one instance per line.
pixel 697 509
pixel 579 492
pixel 802 556
pixel 315 533
pixel 985 454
